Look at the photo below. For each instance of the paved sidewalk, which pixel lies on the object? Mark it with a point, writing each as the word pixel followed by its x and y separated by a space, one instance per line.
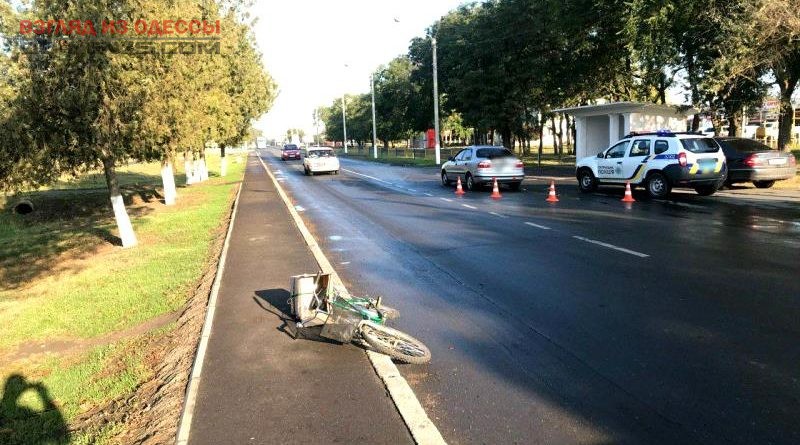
pixel 260 386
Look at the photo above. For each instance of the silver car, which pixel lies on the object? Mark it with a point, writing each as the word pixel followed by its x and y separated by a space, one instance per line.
pixel 480 165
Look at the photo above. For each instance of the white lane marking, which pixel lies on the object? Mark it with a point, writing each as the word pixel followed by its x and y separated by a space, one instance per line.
pixel 538 226
pixel 411 190
pixel 300 208
pixel 469 206
pixel 335 238
pixel 446 199
pixel 428 194
pixel 611 246
pixel 366 176
pixel 345 263
pixel 281 179
pixel 497 214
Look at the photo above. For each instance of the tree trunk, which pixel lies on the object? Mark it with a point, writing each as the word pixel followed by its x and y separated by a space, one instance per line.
pixel 553 135
pixel 126 234
pixel 786 119
pixel 734 121
pixel 508 140
pixel 223 162
pixel 560 136
pixel 203 166
pixel 168 181
pixel 188 167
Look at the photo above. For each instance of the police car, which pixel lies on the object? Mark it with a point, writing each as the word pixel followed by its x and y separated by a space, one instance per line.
pixel 657 161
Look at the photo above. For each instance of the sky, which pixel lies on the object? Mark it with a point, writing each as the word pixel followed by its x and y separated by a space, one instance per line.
pixel 307 43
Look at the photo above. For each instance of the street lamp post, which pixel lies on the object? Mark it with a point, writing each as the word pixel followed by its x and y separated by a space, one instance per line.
pixel 436 103
pixel 374 125
pixel 344 124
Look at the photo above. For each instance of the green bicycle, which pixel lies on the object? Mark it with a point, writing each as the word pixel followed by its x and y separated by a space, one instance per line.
pixel 348 319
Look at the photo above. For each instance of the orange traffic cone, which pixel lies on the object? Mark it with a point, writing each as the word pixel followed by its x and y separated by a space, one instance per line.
pixel 459 189
pixel 628 195
pixel 551 197
pixel 496 190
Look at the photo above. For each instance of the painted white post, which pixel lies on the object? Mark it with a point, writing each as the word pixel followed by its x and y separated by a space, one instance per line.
pixel 626 124
pixel 188 167
pixel 126 233
pixel 168 180
pixel 613 128
pixel 580 137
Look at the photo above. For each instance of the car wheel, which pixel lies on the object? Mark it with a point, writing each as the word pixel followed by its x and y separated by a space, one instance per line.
pixel 706 190
pixel 658 185
pixel 586 181
pixel 515 186
pixel 445 182
pixel 336 172
pixel 763 184
pixel 469 182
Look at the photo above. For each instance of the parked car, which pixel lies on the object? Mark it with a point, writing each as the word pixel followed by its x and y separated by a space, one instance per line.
pixel 751 161
pixel 658 161
pixel 320 160
pixel 481 165
pixel 290 151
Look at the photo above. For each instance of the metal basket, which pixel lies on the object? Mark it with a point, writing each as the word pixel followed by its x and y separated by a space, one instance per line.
pixel 342 321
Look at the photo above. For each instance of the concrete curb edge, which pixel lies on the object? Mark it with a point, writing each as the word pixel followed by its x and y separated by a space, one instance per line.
pixel 416 419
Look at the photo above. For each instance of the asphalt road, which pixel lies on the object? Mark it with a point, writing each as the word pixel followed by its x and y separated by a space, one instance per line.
pixel 579 322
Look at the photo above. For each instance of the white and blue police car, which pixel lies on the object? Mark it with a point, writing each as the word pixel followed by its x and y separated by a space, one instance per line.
pixel 657 161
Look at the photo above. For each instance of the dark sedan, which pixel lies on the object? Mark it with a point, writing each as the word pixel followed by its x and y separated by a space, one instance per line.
pixel 751 161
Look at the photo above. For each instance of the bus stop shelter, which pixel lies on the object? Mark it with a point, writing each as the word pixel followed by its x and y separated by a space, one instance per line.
pixel 598 126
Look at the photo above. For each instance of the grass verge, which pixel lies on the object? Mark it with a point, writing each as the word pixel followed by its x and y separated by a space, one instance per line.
pixel 63 283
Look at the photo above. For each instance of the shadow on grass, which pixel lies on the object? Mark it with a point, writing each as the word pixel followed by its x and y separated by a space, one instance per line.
pixel 28 414
pixel 65 227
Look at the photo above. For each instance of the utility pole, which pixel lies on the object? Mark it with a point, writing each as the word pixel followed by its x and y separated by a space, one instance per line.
pixel 436 103
pixel 374 125
pixel 344 123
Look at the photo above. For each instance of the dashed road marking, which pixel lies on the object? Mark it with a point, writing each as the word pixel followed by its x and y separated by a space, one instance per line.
pixel 300 208
pixel 446 199
pixel 428 194
pixel 611 246
pixel 498 215
pixel 538 226
pixel 366 176
pixel 469 206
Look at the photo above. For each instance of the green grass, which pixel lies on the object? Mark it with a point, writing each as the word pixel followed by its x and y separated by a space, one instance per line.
pixel 61 279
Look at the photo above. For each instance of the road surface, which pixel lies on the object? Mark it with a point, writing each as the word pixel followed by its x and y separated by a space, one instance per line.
pixel 580 322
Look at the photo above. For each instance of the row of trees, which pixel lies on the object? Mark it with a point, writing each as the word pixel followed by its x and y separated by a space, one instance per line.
pixel 505 64
pixel 71 103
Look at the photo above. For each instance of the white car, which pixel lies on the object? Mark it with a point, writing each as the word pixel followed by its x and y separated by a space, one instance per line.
pixel 657 161
pixel 320 160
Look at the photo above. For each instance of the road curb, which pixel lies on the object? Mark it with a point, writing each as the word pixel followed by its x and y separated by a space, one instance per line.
pixel 416 419
pixel 185 423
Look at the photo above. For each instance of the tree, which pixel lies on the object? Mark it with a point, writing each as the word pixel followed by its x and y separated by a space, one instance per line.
pixel 393 97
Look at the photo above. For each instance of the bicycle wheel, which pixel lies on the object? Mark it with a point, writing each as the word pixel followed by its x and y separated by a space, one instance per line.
pixel 395 344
